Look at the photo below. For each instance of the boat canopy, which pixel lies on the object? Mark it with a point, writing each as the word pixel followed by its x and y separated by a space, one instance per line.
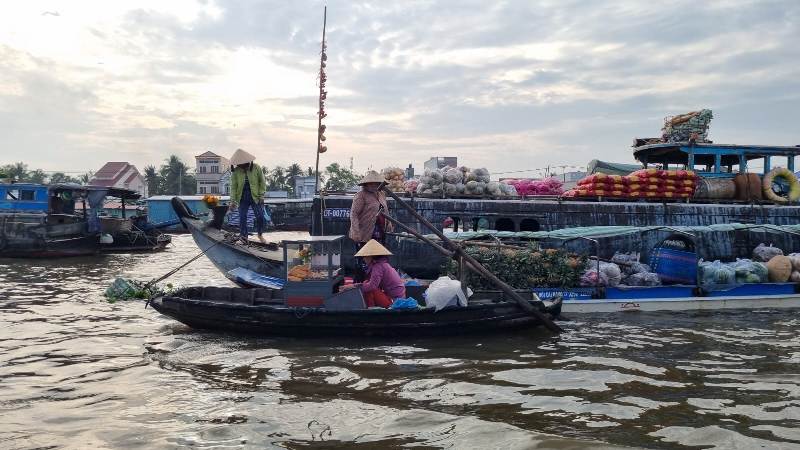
pixel 609 168
pixel 714 160
pixel 613 231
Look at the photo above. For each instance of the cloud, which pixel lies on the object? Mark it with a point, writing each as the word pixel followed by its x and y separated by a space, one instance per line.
pixel 536 83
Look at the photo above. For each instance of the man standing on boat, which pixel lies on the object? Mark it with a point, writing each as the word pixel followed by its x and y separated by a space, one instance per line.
pixel 248 187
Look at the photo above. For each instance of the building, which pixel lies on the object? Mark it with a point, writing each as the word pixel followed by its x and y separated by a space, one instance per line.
pixel 409 172
pixel 225 182
pixel 439 162
pixel 304 187
pixel 120 174
pixel 209 168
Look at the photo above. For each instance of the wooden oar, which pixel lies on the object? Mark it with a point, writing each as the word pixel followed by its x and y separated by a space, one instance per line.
pixel 458 253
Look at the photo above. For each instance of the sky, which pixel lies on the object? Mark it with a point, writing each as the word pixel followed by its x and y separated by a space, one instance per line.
pixel 507 85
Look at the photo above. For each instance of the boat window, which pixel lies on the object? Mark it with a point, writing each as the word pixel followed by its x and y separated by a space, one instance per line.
pixel 529 225
pixel 26 195
pixel 12 194
pixel 450 222
pixel 504 224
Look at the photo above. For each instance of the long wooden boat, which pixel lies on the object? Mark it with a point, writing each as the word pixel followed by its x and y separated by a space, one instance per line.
pixel 262 312
pixel 224 251
pixel 676 298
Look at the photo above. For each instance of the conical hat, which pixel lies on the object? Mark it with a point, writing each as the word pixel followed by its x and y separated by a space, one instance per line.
pixel 372 177
pixel 241 157
pixel 373 248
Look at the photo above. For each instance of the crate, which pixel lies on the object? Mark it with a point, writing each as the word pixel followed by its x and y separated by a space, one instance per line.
pixel 674 266
pixel 347 300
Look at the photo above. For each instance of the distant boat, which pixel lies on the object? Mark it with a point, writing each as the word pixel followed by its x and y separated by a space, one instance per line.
pixel 39 221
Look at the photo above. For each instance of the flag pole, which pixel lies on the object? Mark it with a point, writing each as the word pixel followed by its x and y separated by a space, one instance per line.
pixel 322 95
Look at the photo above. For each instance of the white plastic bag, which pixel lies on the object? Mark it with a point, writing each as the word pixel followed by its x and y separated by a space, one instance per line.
pixel 445 292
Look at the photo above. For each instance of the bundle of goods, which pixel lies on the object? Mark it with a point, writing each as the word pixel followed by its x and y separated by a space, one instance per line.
pixel 635 273
pixel 795 259
pixel 450 182
pixel 764 253
pixel 644 183
pixel 548 186
pixel 395 178
pixel 304 272
pixel 682 128
pixel 742 271
pixel 524 268
pixel 624 269
pixel 410 186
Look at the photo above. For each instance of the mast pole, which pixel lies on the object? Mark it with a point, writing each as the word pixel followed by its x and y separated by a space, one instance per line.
pixel 322 95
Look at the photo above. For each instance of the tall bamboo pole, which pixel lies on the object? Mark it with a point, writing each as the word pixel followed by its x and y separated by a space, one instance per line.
pixel 321 112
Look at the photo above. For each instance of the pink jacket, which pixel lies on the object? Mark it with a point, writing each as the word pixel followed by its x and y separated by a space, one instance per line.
pixel 383 276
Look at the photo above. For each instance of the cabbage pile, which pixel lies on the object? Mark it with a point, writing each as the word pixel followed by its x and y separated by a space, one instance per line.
pixel 452 181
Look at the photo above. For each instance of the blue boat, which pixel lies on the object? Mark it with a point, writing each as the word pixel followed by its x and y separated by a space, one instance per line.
pixel 40 221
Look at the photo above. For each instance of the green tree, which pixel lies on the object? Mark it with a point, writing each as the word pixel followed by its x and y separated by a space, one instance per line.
pixel 85 178
pixel 36 176
pixel 61 177
pixel 177 180
pixel 340 178
pixel 17 171
pixel 276 180
pixel 292 172
pixel 155 184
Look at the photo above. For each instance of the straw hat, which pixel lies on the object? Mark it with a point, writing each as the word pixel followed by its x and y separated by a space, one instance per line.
pixel 372 177
pixel 373 248
pixel 241 157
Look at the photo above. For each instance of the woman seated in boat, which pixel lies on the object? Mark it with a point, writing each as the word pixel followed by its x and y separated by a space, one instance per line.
pixel 366 221
pixel 383 285
pixel 247 191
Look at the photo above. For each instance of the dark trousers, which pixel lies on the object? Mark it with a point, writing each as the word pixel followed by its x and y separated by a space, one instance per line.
pixel 258 211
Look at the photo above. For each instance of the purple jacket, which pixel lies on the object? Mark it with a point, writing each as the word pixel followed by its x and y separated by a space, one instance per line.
pixel 383 276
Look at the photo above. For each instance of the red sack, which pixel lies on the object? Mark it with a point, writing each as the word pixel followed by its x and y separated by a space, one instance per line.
pixel 598 178
pixel 603 187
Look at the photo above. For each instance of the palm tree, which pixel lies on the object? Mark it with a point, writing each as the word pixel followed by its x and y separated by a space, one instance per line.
pixel 37 176
pixel 86 177
pixel 154 180
pixel 17 171
pixel 177 180
pixel 292 172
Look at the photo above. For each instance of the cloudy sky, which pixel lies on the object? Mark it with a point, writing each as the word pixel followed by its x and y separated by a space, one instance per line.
pixel 509 85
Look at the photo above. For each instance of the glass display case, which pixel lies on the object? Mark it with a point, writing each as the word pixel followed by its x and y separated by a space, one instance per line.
pixel 313 269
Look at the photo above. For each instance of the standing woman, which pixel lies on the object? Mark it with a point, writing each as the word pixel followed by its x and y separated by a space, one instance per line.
pixel 247 191
pixel 366 223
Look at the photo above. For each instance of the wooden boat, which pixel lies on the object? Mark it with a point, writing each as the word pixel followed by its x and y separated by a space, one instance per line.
pixel 223 249
pixel 676 298
pixel 262 311
pixel 40 221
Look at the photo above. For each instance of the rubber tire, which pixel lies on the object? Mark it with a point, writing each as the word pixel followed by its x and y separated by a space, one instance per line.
pixel 781 172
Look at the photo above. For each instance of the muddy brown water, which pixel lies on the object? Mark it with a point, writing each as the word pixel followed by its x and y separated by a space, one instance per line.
pixel 79 372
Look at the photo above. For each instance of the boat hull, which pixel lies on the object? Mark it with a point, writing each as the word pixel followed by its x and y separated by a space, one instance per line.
pixel 785 301
pixel 311 322
pixel 228 256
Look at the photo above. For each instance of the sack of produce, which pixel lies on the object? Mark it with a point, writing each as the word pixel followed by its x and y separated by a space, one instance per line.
pixel 716 274
pixel 452 175
pixel 780 269
pixel 395 178
pixel 748 271
pixel 481 174
pixel 795 258
pixel 765 253
pixel 493 188
pixel 411 186
pixel 612 273
pixel 795 277
pixel 591 277
pixel 643 279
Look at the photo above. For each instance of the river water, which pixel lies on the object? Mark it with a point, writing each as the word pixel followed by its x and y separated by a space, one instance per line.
pixel 79 372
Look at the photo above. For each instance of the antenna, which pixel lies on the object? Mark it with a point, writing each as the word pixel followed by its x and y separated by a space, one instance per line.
pixel 322 96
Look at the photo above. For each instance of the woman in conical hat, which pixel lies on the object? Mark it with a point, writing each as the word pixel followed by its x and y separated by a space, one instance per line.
pixel 366 222
pixel 384 283
pixel 248 187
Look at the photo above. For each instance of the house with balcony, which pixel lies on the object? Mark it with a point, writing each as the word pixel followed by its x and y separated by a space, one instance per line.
pixel 209 168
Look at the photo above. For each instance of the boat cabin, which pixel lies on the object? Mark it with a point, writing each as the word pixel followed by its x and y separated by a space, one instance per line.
pixel 39 198
pixel 715 160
